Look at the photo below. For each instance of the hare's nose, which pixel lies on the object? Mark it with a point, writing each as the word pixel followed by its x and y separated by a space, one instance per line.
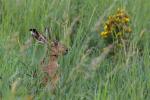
pixel 66 51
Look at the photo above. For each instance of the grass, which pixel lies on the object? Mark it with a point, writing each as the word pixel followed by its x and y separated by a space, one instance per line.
pixel 120 77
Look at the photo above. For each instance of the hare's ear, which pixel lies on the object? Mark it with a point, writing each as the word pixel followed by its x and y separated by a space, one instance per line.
pixel 38 36
pixel 54 43
pixel 48 32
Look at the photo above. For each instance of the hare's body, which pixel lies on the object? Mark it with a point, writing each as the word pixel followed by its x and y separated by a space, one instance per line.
pixel 56 49
pixel 52 66
pixel 51 71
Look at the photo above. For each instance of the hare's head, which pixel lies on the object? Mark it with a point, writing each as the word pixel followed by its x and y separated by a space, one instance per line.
pixel 58 48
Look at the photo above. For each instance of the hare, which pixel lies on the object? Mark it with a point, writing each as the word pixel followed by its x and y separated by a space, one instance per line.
pixel 56 49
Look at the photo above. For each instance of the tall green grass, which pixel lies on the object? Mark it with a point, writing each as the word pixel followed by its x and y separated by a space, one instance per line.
pixel 124 76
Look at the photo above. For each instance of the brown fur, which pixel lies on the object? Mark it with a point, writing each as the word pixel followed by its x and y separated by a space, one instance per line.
pixel 56 49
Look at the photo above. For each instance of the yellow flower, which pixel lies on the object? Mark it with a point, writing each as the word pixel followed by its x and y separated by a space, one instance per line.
pixel 126 20
pixel 105 27
pixel 104 34
pixel 116 24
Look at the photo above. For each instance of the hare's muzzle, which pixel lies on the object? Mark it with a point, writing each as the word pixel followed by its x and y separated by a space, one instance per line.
pixel 66 51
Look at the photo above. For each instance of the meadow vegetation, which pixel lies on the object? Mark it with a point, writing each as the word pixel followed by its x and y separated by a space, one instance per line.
pixel 92 69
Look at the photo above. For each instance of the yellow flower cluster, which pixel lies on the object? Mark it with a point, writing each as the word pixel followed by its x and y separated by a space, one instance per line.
pixel 116 24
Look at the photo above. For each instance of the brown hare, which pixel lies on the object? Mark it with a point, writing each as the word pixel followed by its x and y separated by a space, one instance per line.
pixel 56 49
